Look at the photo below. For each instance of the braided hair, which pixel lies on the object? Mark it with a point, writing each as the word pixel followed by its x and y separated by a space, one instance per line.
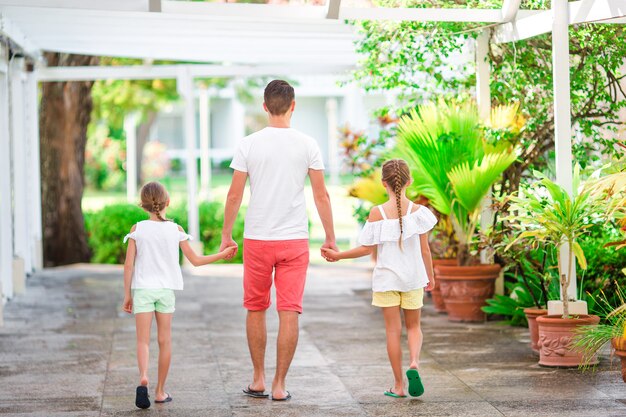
pixel 397 175
pixel 154 199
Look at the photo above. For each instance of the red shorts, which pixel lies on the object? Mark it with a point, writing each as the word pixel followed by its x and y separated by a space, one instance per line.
pixel 288 260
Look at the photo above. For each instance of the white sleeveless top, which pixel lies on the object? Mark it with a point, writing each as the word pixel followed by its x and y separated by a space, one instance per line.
pixel 157 261
pixel 398 269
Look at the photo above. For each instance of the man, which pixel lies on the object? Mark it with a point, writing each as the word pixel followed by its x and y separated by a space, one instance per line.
pixel 277 160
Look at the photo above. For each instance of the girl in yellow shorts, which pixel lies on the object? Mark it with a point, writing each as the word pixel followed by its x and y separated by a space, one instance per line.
pixel 403 269
pixel 151 275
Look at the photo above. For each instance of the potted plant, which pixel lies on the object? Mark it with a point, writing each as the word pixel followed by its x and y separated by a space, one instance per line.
pixel 545 213
pixel 455 168
pixel 527 276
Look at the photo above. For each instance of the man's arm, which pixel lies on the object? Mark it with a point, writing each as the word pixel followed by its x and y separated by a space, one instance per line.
pixel 233 202
pixel 324 209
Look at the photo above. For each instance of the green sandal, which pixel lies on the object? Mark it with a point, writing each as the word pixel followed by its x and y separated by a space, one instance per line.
pixel 416 388
pixel 390 393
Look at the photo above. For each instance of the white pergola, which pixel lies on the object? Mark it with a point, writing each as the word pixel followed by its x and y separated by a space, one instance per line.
pixel 228 40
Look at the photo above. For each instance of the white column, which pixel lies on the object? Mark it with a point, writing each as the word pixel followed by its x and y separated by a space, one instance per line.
pixel 6 213
pixel 130 129
pixel 353 109
pixel 483 72
pixel 483 100
pixel 333 141
pixel 20 170
pixel 205 143
pixel 31 97
pixel 238 118
pixel 562 121
pixel 184 84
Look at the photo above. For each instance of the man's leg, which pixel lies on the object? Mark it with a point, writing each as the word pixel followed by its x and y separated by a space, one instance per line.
pixel 288 332
pixel 257 284
pixel 257 340
pixel 290 278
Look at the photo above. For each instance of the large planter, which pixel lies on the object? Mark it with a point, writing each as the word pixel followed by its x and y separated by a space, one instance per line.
pixel 555 340
pixel 619 344
pixel 465 290
pixel 438 302
pixel 531 316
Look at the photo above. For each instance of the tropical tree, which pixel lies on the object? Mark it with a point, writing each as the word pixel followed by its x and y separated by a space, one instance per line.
pixel 423 60
pixel 63 120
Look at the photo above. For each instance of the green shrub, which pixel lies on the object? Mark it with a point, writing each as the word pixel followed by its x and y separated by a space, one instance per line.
pixel 605 267
pixel 106 229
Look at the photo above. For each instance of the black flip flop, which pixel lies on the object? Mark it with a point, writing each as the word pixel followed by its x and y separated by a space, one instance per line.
pixel 255 394
pixel 167 400
pixel 142 399
pixel 287 398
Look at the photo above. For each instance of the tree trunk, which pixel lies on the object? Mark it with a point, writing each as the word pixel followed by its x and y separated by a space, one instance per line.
pixel 64 117
pixel 143 132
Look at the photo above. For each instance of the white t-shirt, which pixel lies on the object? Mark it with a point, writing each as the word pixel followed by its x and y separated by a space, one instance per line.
pixel 157 261
pixel 277 161
pixel 398 269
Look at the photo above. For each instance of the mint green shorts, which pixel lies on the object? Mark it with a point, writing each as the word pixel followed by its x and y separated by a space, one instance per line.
pixel 147 300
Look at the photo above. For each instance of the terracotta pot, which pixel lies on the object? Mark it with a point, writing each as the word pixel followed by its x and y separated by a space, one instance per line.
pixel 619 344
pixel 438 302
pixel 465 289
pixel 555 340
pixel 531 316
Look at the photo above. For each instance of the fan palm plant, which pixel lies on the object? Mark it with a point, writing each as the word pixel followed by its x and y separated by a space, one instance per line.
pixel 453 166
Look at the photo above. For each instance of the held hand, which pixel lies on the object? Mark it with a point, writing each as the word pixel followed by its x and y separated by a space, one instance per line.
pixel 127 305
pixel 431 285
pixel 328 244
pixel 330 255
pixel 228 253
pixel 229 243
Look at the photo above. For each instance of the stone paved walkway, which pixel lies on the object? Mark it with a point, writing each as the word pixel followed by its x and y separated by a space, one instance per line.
pixel 67 350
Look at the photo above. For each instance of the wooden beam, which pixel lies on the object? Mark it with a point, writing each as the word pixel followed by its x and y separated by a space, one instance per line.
pixel 582 11
pixel 510 9
pixel 141 72
pixel 154 6
pixel 118 5
pixel 15 34
pixel 421 14
pixel 334 7
pixel 269 11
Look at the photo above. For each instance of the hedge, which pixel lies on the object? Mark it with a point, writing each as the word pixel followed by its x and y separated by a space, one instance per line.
pixel 107 227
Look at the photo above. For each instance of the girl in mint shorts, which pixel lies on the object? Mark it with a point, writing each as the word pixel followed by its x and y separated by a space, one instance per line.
pixel 151 275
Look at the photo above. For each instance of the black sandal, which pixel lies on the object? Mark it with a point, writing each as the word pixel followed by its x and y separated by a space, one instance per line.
pixel 287 398
pixel 166 400
pixel 255 394
pixel 142 399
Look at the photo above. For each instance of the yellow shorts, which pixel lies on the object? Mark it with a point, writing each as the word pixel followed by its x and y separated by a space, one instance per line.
pixel 410 300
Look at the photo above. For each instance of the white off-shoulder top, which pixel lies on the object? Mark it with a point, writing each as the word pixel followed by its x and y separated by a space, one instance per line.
pixel 398 269
pixel 157 263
